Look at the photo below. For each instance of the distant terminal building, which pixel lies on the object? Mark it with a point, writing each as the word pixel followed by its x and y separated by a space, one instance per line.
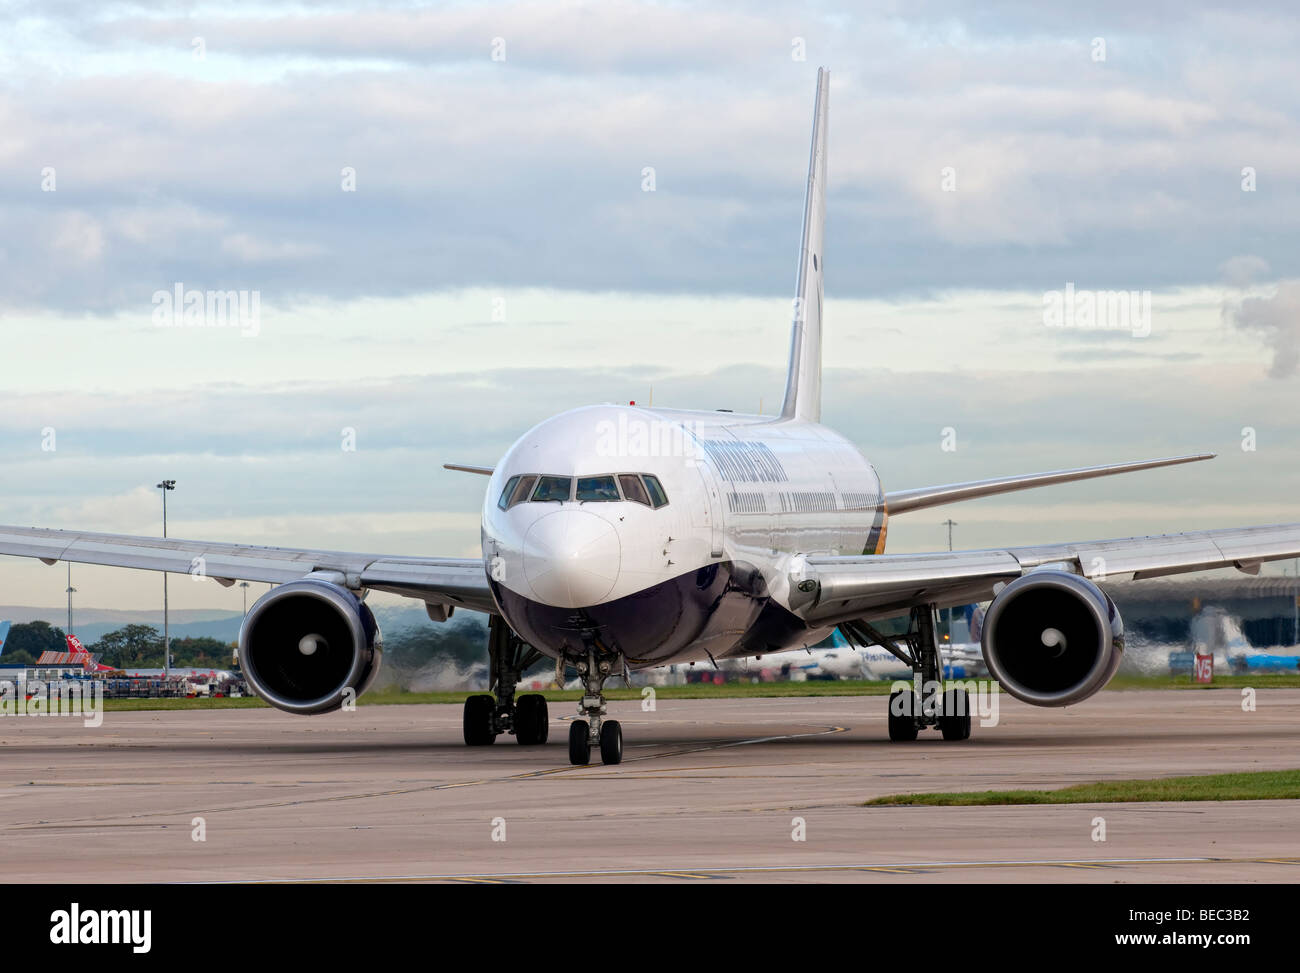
pixel 1162 609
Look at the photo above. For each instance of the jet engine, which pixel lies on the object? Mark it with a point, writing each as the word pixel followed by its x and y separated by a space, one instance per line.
pixel 307 646
pixel 1052 638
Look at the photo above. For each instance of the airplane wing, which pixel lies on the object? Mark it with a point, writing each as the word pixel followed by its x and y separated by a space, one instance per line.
pixel 831 589
pixel 447 581
pixel 902 501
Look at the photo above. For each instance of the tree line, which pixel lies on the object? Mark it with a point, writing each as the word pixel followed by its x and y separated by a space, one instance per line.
pixel 463 640
pixel 129 647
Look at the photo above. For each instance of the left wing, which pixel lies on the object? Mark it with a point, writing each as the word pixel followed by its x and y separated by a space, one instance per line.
pixel 447 581
pixel 830 589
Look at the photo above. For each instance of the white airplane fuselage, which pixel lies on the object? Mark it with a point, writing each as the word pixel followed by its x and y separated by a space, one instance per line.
pixel 707 572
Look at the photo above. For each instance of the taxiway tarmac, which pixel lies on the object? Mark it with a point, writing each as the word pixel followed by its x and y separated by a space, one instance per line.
pixel 709 790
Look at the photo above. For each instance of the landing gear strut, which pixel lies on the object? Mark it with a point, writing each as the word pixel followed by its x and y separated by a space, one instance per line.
pixel 593 730
pixel 932 707
pixel 487 717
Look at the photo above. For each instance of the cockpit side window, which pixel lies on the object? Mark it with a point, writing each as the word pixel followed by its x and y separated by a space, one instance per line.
pixel 632 488
pixel 553 488
pixel 597 488
pixel 522 489
pixel 508 492
pixel 516 490
pixel 657 496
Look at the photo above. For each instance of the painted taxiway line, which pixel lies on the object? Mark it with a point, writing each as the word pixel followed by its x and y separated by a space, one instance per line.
pixel 425 788
pixel 730 871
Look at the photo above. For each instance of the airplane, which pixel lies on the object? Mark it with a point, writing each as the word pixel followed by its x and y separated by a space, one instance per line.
pixel 81 654
pixel 836 661
pixel 1216 633
pixel 626 537
pixel 958 660
pixel 840 660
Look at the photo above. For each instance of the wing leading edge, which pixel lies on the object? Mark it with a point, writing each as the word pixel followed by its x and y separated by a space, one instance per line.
pixel 831 589
pixel 901 501
pixel 448 581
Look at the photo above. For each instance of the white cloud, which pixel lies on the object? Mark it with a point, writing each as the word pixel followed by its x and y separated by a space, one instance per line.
pixel 250 249
pixel 76 236
pixel 1243 270
pixel 521 180
pixel 1276 319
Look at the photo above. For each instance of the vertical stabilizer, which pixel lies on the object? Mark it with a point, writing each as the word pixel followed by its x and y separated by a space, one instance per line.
pixel 803 383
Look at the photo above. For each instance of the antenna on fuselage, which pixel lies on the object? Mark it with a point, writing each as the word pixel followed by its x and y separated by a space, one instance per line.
pixel 803 382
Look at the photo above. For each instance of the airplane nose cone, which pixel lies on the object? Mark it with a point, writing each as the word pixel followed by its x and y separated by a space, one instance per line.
pixel 571 558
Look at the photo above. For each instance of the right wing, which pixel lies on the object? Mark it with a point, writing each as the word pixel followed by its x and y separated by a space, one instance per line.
pixel 827 589
pixel 446 581
pixel 902 501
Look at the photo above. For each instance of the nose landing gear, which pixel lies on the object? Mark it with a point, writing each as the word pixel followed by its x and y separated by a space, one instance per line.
pixel 486 717
pixel 594 730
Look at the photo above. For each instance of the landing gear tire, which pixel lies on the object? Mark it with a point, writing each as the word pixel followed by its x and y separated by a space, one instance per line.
pixel 532 724
pixel 579 743
pixel 954 722
pixel 480 721
pixel 611 742
pixel 902 722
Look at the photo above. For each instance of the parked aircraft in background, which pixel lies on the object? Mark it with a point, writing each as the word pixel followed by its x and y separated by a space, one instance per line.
pixel 960 660
pixel 79 652
pixel 1216 633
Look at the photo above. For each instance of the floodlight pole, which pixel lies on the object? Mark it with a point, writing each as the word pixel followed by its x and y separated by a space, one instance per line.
pixel 71 591
pixel 164 486
pixel 950 524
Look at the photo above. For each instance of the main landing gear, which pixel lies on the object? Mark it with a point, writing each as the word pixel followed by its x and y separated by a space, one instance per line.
pixel 594 730
pixel 911 711
pixel 487 717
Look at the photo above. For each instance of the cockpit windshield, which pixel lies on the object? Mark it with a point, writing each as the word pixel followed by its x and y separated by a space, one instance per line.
pixel 597 488
pixel 632 488
pixel 642 488
pixel 553 488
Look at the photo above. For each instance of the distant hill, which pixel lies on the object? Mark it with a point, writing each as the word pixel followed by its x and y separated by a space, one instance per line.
pixel 90 624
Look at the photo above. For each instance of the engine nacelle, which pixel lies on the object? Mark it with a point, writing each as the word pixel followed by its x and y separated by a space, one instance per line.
pixel 1052 638
pixel 305 644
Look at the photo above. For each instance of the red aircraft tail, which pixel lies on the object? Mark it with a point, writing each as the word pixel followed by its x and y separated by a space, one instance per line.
pixel 79 653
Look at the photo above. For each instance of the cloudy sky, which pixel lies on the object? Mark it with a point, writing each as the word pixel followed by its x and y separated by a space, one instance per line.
pixel 461 218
